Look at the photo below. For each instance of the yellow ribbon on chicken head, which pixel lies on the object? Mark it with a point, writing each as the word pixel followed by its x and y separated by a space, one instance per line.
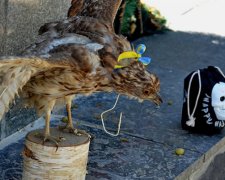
pixel 124 58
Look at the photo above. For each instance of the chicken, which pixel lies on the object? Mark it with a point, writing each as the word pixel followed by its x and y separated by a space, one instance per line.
pixel 75 56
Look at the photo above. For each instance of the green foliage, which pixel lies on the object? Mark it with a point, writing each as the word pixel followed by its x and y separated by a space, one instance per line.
pixel 151 18
pixel 155 15
pixel 130 9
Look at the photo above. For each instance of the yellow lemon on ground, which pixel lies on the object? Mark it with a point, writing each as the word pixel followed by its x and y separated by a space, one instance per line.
pixel 180 151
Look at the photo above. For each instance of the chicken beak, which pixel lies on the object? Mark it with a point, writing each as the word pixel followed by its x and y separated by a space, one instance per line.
pixel 157 99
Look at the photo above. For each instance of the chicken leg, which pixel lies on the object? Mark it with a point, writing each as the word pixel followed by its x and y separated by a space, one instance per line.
pixel 69 127
pixel 47 136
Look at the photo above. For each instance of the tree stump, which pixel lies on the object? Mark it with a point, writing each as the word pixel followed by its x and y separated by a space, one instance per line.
pixel 47 162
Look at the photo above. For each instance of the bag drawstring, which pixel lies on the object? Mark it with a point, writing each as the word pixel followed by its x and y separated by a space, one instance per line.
pixel 191 121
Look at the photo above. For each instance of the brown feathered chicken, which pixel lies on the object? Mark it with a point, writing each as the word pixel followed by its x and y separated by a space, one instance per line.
pixel 74 56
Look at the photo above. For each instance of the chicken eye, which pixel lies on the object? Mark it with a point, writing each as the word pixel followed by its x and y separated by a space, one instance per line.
pixel 222 98
pixel 146 92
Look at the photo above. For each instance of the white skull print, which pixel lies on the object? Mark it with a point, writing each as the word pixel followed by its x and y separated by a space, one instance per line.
pixel 218 100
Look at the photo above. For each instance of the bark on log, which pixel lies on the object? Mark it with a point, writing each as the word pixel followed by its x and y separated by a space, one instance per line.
pixel 46 162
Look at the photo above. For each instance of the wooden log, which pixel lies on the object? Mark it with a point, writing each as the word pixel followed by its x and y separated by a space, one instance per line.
pixel 46 162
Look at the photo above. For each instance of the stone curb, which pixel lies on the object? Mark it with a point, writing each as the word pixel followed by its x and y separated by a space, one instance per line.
pixel 200 167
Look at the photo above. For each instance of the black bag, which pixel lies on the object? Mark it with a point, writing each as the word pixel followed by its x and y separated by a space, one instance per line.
pixel 204 101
